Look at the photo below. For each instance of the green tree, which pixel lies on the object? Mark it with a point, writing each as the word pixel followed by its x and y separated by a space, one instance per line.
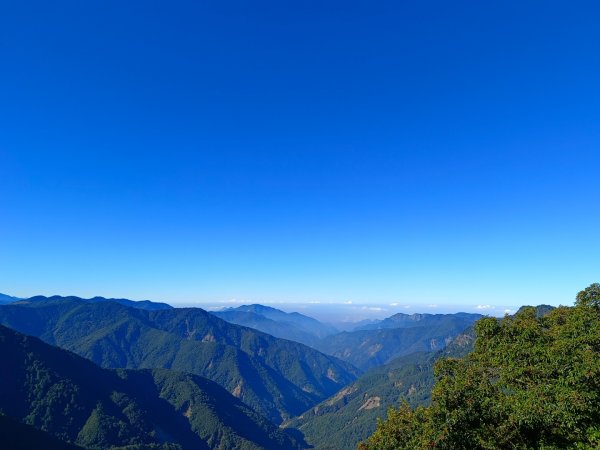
pixel 530 383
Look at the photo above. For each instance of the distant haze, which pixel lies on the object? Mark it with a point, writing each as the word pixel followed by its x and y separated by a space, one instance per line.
pixel 340 312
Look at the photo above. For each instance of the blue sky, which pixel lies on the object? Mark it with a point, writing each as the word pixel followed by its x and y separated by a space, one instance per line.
pixel 422 153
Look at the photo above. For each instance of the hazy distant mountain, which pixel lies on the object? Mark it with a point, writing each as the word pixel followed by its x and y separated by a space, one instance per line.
pixel 352 326
pixel 396 336
pixel 76 401
pixel 276 377
pixel 4 299
pixel 401 320
pixel 139 304
pixel 293 326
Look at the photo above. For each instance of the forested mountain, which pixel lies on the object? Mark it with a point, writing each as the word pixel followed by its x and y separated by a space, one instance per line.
pixel 139 304
pixel 76 401
pixel 278 378
pixel 293 326
pixel 350 416
pixel 532 381
pixel 374 347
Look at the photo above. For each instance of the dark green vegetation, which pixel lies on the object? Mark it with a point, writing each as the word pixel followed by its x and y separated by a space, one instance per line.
pixel 293 326
pixel 15 435
pixel 419 333
pixel 350 416
pixel 532 381
pixel 76 401
pixel 276 377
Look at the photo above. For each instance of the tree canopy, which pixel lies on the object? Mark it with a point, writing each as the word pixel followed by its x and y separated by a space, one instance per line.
pixel 531 382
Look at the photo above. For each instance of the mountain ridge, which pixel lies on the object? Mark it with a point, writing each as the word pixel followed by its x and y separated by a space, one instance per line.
pixel 278 378
pixel 293 326
pixel 139 304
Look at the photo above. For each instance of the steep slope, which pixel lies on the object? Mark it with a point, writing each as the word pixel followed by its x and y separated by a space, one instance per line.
pixel 293 326
pixel 350 416
pixel 276 377
pixel 76 401
pixel 369 348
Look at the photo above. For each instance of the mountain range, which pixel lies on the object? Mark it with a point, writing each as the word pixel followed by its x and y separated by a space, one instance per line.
pixel 292 326
pixel 399 335
pixel 246 359
pixel 75 401
pixel 276 377
pixel 350 416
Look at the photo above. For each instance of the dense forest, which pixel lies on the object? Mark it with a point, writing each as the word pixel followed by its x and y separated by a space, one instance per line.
pixel 532 381
pixel 49 395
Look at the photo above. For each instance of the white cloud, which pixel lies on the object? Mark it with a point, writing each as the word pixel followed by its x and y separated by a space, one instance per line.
pixel 407 306
pixel 432 306
pixel 314 302
pixel 232 300
pixel 484 307
pixel 349 302
pixel 508 311
pixel 373 308
pixel 394 304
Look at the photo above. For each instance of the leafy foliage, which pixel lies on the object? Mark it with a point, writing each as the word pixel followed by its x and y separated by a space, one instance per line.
pixel 532 381
pixel 74 400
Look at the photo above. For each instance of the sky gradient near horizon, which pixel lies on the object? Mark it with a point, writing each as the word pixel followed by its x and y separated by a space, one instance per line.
pixel 375 152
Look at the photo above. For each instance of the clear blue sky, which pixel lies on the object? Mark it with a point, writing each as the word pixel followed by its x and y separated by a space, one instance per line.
pixel 418 152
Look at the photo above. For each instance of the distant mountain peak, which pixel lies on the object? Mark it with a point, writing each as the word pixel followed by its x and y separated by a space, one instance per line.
pixel 138 304
pixel 4 299
pixel 293 326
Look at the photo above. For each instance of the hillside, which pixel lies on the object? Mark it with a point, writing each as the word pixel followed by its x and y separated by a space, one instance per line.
pixel 76 401
pixel 418 333
pixel 276 377
pixel 350 416
pixel 293 326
